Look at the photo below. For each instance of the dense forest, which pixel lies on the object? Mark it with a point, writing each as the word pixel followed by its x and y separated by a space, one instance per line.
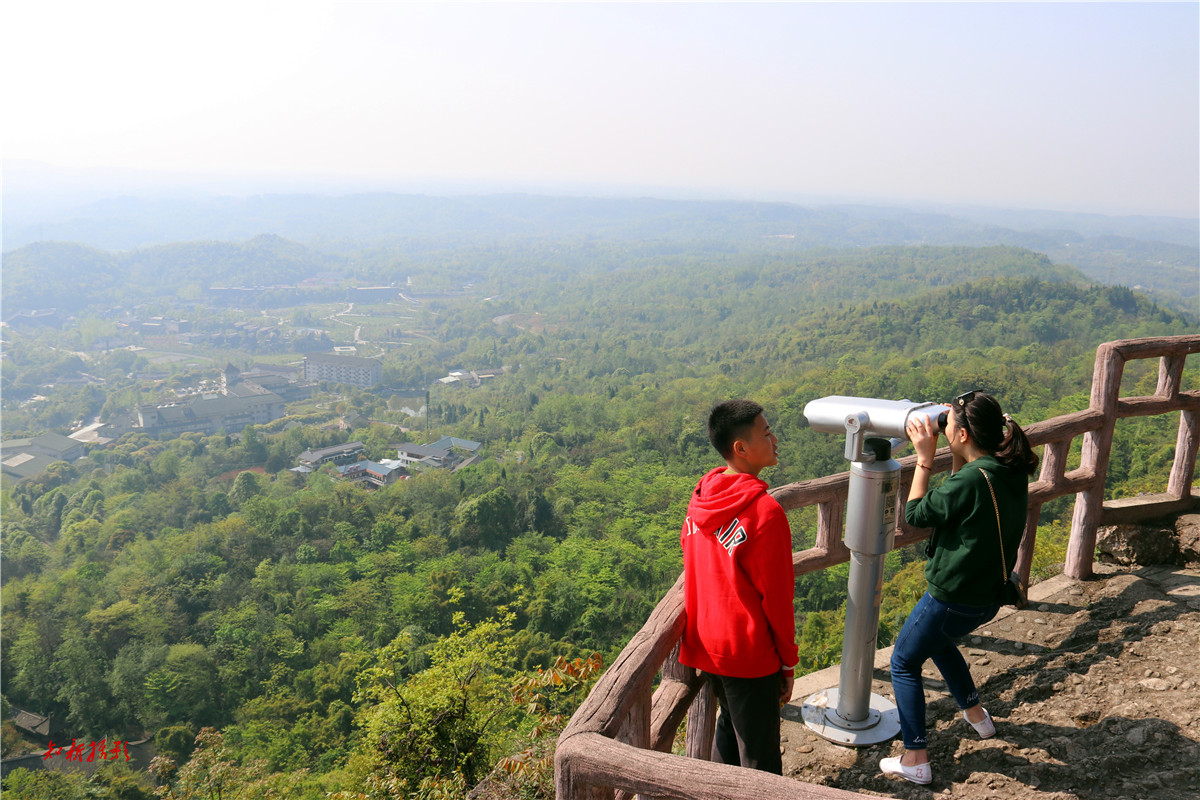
pixel 281 635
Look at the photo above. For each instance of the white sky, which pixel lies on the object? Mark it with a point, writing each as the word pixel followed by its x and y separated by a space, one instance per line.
pixel 1073 106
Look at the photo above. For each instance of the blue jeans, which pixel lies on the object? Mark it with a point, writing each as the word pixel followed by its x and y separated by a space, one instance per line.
pixel 930 632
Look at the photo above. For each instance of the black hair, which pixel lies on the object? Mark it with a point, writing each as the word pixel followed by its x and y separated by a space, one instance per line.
pixel 729 420
pixel 996 432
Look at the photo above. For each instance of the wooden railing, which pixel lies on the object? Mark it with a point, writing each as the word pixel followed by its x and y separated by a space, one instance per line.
pixel 618 742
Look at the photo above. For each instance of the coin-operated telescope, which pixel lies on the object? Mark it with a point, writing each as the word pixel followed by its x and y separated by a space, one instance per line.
pixel 850 714
pixel 860 417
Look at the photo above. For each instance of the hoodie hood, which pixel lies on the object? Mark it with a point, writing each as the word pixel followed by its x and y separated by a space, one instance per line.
pixel 720 496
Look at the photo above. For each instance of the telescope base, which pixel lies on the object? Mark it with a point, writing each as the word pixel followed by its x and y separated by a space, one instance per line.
pixel 821 716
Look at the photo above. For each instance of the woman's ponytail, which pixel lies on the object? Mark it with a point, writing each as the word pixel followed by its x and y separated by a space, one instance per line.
pixel 1015 450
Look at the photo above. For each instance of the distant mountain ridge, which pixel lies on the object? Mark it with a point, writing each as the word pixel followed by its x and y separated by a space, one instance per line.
pixel 1151 253
pixel 126 223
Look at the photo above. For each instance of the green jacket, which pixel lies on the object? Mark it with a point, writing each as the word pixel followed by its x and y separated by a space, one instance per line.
pixel 965 566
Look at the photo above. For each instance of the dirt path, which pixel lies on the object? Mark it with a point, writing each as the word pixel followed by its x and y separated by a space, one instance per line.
pixel 1095 689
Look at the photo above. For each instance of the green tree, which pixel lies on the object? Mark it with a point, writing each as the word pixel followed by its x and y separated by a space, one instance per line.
pixel 820 640
pixel 489 520
pixel 212 774
pixel 444 726
pixel 82 689
pixel 40 785
pixel 245 486
pixel 186 688
pixel 549 698
pixel 176 742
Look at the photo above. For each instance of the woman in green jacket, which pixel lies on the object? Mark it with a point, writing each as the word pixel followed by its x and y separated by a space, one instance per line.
pixel 978 517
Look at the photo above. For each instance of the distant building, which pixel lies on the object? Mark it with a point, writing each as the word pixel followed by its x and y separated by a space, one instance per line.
pixel 361 372
pixel 372 473
pixel 25 458
pixel 61 447
pixel 446 453
pixel 34 318
pixel 454 443
pixel 47 732
pixel 263 378
pixel 339 454
pixel 263 385
pixel 98 433
pixel 102 343
pixel 374 294
pixel 24 465
pixel 418 455
pixel 32 725
pixel 473 377
pixel 210 414
pixel 282 370
pixel 276 384
pixel 229 377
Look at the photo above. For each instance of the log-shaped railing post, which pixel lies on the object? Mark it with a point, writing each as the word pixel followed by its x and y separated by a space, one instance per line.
pixel 1170 373
pixel 1054 461
pixel 830 514
pixel 1051 476
pixel 1170 377
pixel 1028 542
pixel 1089 503
pixel 671 701
pixel 636 732
pixel 1187 443
pixel 702 723
pixel 568 785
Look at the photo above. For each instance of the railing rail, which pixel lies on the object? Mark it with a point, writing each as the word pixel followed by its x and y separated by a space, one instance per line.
pixel 618 742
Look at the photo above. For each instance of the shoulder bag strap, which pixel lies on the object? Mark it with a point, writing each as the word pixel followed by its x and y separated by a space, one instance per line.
pixel 999 532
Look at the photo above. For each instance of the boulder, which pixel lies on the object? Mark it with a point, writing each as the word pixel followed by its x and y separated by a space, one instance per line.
pixel 1187 529
pixel 1130 543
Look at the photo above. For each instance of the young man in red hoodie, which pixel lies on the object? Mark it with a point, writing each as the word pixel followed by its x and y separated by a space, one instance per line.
pixel 739 586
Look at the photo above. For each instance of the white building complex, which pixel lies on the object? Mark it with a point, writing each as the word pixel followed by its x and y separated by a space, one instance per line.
pixel 361 372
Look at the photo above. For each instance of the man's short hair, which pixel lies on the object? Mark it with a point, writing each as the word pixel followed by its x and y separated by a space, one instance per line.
pixel 729 420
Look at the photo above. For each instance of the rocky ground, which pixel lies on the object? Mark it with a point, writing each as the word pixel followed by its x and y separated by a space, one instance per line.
pixel 1095 689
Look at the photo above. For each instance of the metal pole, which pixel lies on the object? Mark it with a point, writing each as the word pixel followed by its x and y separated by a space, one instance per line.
pixel 851 714
pixel 870 507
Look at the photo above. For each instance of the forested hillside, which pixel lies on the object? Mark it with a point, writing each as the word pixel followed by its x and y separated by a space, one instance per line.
pixel 73 277
pixel 385 644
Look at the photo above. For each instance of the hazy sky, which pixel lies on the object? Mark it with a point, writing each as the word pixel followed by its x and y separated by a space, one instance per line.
pixel 1073 106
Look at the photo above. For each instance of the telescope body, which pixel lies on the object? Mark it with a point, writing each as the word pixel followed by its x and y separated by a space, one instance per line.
pixel 870 415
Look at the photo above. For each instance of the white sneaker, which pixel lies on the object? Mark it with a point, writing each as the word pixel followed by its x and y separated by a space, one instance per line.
pixel 918 773
pixel 985 727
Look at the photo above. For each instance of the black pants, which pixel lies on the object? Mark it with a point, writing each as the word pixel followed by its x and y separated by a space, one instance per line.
pixel 748 726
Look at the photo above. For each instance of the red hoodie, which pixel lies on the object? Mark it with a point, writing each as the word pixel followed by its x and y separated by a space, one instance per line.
pixel 739 584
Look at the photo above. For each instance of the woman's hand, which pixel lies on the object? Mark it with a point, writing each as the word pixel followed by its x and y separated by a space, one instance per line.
pixel 924 437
